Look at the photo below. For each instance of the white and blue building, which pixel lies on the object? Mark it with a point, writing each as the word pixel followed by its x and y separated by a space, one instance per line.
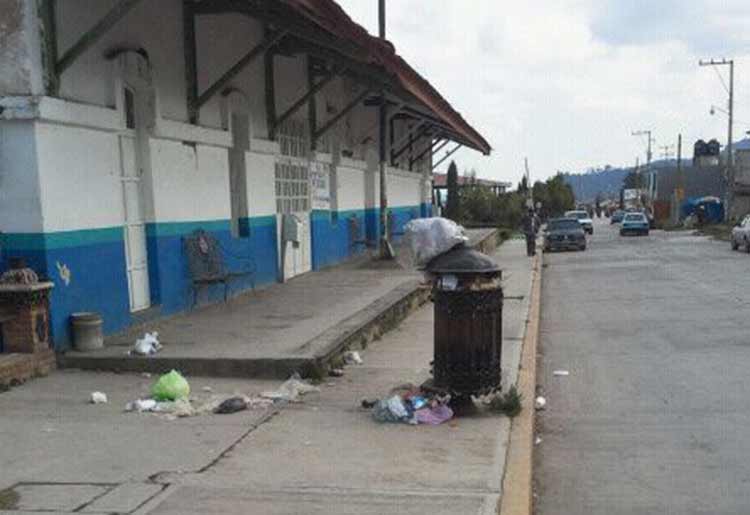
pixel 125 125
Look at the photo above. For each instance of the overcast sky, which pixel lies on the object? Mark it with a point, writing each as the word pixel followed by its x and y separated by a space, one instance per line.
pixel 566 82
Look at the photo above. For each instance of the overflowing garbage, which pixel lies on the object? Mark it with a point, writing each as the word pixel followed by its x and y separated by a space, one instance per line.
pixel 411 404
pixel 147 346
pixel 427 238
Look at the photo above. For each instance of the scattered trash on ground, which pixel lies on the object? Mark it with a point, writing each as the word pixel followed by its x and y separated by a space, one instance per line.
pixel 148 345
pixel 537 440
pixel 540 403
pixel 409 404
pixel 561 373
pixel 207 389
pixel 170 387
pixel 146 375
pixel 141 405
pixel 98 398
pixel 336 372
pixel 231 405
pixel 352 357
pixel 291 390
pixel 508 403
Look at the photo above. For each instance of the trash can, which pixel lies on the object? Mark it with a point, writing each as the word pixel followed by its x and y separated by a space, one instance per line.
pixel 468 298
pixel 87 331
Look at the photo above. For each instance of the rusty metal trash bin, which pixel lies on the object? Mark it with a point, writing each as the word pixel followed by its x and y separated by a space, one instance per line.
pixel 468 302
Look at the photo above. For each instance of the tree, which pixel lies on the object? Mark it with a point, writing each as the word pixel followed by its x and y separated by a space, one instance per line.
pixel 632 181
pixel 523 186
pixel 452 205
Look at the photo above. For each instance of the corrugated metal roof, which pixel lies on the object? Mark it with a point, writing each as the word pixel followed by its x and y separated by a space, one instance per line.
pixel 332 18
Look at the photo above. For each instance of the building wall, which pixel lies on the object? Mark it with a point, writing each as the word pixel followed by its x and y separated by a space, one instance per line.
pixel 61 198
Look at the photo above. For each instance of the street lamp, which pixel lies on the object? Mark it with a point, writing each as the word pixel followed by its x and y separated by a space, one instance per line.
pixel 729 112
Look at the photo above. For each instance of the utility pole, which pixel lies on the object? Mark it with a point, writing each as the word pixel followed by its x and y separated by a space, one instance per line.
pixel 529 199
pixel 730 157
pixel 386 251
pixel 680 178
pixel 651 179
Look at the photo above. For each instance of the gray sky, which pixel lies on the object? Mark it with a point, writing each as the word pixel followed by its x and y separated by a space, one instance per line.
pixel 564 82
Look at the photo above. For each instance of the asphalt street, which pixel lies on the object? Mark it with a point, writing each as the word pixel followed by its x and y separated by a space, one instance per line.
pixel 654 416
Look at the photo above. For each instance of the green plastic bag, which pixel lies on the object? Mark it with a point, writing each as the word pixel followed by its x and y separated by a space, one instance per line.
pixel 170 387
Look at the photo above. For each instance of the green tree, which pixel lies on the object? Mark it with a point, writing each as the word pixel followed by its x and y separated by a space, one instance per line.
pixel 453 203
pixel 632 181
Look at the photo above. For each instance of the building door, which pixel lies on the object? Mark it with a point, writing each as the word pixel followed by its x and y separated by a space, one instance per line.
pixel 293 197
pixel 131 174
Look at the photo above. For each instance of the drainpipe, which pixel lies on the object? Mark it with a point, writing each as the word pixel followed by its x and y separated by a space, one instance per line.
pixel 386 251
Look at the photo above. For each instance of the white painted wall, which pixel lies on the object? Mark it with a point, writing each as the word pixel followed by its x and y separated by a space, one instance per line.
pixel 155 26
pixel 351 188
pixel 189 183
pixel 20 204
pixel 222 40
pixel 79 178
pixel 404 188
pixel 261 186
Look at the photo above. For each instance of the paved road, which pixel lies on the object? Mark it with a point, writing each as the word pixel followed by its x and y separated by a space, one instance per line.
pixel 655 414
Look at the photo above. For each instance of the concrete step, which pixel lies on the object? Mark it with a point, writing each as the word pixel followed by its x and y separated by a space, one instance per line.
pixel 354 332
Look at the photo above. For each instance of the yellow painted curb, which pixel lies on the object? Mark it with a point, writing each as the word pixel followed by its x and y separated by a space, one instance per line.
pixel 517 493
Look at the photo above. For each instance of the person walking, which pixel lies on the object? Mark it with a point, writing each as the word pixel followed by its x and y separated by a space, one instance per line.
pixel 529 227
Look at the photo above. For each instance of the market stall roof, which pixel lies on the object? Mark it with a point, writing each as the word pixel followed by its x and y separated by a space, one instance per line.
pixel 330 17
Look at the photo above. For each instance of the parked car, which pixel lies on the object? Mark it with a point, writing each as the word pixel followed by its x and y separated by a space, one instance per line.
pixel 583 218
pixel 564 233
pixel 617 217
pixel 634 223
pixel 741 234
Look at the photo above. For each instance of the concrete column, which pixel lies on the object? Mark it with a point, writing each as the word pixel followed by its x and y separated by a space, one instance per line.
pixel 20 49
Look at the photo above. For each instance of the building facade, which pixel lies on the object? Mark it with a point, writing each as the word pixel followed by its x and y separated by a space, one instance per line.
pixel 127 125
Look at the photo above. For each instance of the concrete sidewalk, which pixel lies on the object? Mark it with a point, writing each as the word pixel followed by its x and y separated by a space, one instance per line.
pixel 324 456
pixel 277 330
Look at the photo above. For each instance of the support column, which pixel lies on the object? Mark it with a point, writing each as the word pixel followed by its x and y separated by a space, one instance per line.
pixel 21 52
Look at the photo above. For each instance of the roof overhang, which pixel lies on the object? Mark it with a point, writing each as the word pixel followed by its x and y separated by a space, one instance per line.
pixel 323 29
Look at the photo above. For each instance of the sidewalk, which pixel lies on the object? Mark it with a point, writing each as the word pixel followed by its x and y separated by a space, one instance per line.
pixel 324 456
pixel 274 331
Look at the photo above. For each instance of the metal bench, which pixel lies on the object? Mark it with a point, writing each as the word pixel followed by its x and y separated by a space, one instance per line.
pixel 207 266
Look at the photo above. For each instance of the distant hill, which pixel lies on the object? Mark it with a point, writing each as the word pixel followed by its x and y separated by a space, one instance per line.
pixel 586 186
pixel 608 180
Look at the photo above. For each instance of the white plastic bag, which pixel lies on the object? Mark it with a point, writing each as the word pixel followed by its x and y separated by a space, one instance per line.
pixel 427 238
pixel 147 345
pixel 290 390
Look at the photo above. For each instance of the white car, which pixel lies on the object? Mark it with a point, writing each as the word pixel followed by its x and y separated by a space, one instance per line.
pixel 583 218
pixel 741 234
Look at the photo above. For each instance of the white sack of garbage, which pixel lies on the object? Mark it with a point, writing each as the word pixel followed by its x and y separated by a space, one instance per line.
pixel 427 238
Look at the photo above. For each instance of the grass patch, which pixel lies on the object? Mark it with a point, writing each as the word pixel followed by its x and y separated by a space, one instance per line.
pixel 508 403
pixel 8 499
pixel 721 232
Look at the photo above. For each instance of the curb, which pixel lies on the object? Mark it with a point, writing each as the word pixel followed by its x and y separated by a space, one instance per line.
pixel 517 491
